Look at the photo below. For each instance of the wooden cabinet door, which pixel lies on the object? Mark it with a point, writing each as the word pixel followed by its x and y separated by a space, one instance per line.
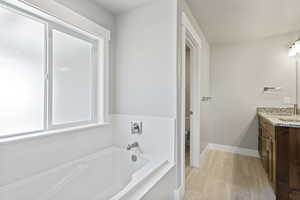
pixel 295 196
pixel 260 141
pixel 282 191
pixel 282 163
pixel 282 157
pixel 274 163
pixel 294 161
pixel 270 159
pixel 264 153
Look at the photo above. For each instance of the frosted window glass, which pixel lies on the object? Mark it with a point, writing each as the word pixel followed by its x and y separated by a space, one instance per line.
pixel 21 73
pixel 72 79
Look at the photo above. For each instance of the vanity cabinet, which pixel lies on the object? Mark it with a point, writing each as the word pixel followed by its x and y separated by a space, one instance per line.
pixel 267 149
pixel 279 149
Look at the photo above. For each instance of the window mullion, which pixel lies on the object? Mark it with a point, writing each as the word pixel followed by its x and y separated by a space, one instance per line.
pixel 49 76
pixel 45 78
pixel 95 84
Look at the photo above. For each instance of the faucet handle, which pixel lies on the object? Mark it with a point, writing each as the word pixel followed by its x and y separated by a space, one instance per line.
pixel 136 128
pixel 133 145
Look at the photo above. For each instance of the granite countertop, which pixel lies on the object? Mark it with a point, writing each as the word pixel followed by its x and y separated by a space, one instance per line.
pixel 280 117
pixel 282 120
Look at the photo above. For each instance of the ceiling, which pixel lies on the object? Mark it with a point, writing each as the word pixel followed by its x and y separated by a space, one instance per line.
pixel 119 6
pixel 227 21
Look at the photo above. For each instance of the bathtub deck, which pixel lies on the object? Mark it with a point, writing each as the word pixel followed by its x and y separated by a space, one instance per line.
pixel 228 176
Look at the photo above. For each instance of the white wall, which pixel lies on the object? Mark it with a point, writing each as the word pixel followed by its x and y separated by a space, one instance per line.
pixel 23 158
pixel 238 74
pixel 145 81
pixel 145 71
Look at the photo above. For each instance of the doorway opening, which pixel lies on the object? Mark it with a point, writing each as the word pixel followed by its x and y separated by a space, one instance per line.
pixel 189 102
pixel 188 111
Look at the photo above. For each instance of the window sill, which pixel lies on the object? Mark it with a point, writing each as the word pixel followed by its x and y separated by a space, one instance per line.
pixel 26 136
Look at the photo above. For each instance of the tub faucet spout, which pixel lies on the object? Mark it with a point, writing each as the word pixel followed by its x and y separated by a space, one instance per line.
pixel 133 145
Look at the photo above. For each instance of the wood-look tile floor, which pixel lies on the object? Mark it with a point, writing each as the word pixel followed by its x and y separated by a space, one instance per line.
pixel 227 176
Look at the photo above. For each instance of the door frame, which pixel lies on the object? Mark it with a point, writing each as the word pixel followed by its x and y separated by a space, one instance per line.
pixel 190 38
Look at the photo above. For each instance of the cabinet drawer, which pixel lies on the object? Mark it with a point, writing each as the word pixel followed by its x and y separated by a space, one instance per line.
pixel 294 158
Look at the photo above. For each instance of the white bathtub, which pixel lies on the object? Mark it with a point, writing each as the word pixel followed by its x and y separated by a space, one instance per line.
pixel 105 175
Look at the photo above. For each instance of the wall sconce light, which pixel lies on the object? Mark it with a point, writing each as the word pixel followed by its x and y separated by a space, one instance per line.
pixel 294 50
pixel 297 46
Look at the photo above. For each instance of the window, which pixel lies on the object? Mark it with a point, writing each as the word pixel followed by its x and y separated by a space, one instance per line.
pixel 21 73
pixel 73 89
pixel 48 74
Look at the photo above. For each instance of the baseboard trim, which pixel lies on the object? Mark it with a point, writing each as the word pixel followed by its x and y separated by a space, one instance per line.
pixel 233 149
pixel 179 193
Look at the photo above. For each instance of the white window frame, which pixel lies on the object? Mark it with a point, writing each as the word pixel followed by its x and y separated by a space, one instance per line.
pixel 98 36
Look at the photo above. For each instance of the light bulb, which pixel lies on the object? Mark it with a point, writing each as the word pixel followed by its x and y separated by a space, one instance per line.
pixel 297 46
pixel 292 51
